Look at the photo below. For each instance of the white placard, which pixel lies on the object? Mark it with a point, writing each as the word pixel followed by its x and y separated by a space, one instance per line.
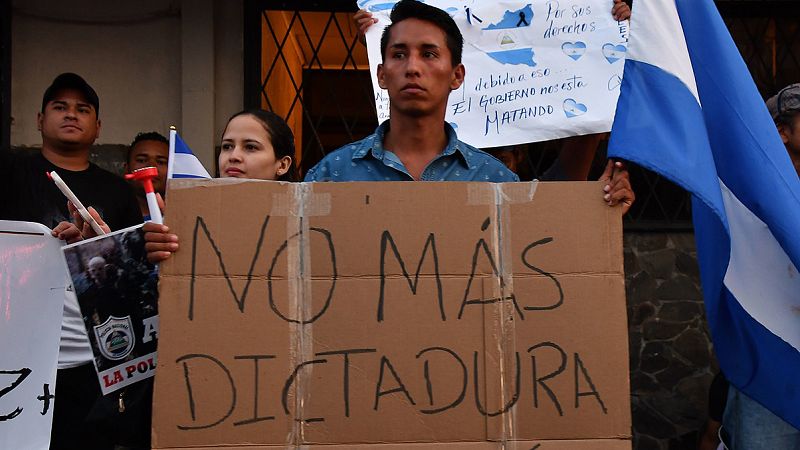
pixel 33 281
pixel 535 70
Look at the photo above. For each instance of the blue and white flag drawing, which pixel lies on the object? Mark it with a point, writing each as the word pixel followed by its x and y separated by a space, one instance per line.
pixel 182 162
pixel 689 110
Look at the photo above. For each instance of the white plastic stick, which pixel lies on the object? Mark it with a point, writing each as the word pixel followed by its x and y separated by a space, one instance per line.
pixel 78 205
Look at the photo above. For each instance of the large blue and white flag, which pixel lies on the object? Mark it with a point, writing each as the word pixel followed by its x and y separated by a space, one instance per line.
pixel 182 162
pixel 689 110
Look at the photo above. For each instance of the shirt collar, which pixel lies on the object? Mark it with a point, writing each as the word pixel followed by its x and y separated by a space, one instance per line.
pixel 374 144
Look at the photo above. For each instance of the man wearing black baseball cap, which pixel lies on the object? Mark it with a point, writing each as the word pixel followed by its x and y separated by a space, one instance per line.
pixel 74 81
pixel 69 125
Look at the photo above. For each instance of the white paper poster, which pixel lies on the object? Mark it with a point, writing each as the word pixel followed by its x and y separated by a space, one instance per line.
pixel 33 279
pixel 535 70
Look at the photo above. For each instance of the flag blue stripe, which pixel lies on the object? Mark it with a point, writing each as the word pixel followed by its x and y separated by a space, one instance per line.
pixel 181 147
pixel 657 112
pixel 184 175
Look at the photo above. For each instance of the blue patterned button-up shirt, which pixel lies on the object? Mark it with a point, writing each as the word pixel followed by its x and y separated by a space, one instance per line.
pixel 368 160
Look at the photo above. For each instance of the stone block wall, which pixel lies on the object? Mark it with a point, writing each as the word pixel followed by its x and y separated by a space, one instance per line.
pixel 671 356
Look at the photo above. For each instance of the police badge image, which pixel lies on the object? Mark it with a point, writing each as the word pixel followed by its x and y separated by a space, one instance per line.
pixel 117 291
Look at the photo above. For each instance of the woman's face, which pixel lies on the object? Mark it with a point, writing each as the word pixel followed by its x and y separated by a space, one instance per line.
pixel 247 151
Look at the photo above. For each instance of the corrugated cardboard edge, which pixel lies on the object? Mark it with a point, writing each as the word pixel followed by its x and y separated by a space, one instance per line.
pixel 583 444
pixel 187 183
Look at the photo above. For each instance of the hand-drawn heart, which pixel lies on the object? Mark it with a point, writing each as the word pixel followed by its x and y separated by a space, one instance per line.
pixel 573 108
pixel 614 53
pixel 574 49
pixel 614 82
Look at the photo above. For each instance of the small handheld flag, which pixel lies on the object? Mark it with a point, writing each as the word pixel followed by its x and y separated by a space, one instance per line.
pixel 182 161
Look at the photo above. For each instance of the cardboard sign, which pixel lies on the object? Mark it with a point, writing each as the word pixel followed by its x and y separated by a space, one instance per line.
pixel 118 293
pixel 361 315
pixel 33 283
pixel 535 70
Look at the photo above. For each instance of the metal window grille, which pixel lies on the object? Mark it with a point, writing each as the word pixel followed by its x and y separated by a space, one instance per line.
pixel 304 62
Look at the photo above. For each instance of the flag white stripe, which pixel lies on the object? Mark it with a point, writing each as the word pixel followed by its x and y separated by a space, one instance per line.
pixel 760 274
pixel 660 34
pixel 189 165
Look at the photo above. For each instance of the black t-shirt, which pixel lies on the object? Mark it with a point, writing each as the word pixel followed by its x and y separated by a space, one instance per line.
pixel 30 196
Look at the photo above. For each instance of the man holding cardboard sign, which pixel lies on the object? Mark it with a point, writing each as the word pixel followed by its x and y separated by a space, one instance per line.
pixel 421 52
pixel 422 63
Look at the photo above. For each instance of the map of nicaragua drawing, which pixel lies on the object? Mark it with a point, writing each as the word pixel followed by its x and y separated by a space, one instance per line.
pixel 503 40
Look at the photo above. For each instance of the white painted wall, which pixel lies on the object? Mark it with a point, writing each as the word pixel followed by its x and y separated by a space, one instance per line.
pixel 229 63
pixel 153 63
